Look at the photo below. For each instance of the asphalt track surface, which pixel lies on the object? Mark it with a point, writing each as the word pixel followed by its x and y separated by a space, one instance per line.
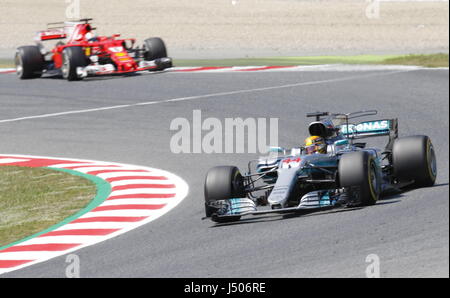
pixel 409 231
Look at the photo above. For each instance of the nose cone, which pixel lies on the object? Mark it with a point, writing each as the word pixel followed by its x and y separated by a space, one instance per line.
pixel 283 187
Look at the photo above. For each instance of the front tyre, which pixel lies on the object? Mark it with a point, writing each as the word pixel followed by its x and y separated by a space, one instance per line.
pixel 222 183
pixel 73 57
pixel 29 62
pixel 154 49
pixel 413 158
pixel 359 170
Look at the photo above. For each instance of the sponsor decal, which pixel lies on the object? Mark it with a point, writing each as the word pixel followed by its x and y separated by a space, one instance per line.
pixel 369 126
pixel 116 49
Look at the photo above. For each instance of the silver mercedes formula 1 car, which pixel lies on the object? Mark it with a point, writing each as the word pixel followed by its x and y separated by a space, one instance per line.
pixel 348 174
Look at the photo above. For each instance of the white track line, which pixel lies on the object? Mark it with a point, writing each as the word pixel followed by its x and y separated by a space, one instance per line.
pixel 211 95
pixel 134 201
pixel 142 191
pixel 62 239
pixel 126 213
pixel 7 70
pixel 299 68
pixel 139 181
pixel 11 160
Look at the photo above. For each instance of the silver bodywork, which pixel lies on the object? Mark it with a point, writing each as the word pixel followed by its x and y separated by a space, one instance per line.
pixel 284 169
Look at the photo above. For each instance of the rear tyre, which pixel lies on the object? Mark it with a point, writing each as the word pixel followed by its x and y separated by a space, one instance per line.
pixel 358 169
pixel 29 62
pixel 73 57
pixel 222 183
pixel 414 158
pixel 154 49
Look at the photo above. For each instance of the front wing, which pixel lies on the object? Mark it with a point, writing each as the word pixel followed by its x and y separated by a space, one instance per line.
pixel 245 206
pixel 109 69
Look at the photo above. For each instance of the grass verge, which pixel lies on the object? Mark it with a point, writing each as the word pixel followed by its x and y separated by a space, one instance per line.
pixel 431 60
pixel 6 63
pixel 283 61
pixel 32 199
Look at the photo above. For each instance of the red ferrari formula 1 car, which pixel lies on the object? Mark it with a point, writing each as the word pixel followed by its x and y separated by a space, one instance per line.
pixel 80 53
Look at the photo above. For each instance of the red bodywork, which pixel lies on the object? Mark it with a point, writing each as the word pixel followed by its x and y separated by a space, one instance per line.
pixel 102 46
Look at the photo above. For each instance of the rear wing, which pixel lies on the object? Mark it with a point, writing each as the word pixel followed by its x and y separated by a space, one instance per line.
pixel 61 30
pixel 51 34
pixel 365 129
pixel 374 128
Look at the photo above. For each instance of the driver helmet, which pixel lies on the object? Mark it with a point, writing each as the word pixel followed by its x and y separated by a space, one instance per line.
pixel 90 36
pixel 315 144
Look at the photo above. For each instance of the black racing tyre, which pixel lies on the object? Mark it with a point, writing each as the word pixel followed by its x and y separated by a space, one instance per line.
pixel 358 169
pixel 222 183
pixel 29 62
pixel 73 57
pixel 154 49
pixel 413 158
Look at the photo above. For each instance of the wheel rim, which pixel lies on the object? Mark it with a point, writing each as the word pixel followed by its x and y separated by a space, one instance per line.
pixel 19 65
pixel 237 184
pixel 373 181
pixel 432 161
pixel 65 67
pixel 147 53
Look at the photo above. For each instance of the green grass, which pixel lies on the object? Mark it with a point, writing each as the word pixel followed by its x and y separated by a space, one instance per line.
pixel 312 60
pixel 6 63
pixel 33 199
pixel 432 60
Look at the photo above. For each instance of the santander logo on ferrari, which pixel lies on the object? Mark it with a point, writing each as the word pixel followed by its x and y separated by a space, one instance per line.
pixel 116 49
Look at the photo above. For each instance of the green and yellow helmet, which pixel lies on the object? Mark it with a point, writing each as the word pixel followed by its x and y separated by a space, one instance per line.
pixel 315 144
